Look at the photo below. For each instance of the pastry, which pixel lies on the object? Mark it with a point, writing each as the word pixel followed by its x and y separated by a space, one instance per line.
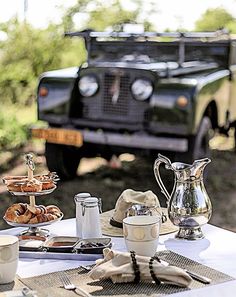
pixel 33 185
pixel 23 213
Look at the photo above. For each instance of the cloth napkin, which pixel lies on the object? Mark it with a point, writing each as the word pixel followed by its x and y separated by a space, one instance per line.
pixel 119 268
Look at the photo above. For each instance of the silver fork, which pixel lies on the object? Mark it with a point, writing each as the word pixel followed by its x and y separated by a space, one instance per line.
pixel 68 285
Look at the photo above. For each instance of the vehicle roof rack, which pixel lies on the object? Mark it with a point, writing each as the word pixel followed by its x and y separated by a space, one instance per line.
pixel 87 34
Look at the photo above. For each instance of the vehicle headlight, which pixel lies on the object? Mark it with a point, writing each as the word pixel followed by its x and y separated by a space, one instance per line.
pixel 142 89
pixel 88 85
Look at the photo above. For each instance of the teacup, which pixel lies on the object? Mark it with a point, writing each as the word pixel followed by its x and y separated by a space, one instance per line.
pixel 9 255
pixel 141 234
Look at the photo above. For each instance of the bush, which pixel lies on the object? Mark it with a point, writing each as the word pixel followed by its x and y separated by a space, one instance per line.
pixel 13 134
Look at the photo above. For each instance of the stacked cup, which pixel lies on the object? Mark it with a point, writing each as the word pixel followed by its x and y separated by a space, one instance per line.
pixel 9 255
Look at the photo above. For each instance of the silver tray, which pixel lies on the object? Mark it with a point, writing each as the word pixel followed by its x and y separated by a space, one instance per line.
pixel 48 244
pixel 44 192
pixel 14 224
pixel 60 256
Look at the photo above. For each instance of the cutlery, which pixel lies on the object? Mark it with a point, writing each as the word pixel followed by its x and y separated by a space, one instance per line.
pixel 28 293
pixel 87 267
pixel 194 275
pixel 68 285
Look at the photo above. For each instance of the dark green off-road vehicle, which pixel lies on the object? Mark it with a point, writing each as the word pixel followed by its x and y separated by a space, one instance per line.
pixel 138 93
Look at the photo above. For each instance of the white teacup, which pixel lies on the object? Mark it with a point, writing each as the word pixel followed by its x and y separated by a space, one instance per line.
pixel 141 234
pixel 9 255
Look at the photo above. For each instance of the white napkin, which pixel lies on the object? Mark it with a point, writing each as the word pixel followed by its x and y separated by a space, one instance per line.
pixel 119 268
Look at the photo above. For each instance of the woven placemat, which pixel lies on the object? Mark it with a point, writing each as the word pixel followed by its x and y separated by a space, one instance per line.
pixel 49 284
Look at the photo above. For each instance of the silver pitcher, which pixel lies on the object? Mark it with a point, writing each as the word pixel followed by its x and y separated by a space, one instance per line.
pixel 189 205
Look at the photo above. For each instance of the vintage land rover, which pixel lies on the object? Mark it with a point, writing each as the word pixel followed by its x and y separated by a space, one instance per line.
pixel 139 93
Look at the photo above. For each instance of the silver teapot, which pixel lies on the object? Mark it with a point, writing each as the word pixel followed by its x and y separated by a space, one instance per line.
pixel 189 205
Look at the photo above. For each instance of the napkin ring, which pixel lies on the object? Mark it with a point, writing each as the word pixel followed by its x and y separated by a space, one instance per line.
pixel 135 267
pixel 156 280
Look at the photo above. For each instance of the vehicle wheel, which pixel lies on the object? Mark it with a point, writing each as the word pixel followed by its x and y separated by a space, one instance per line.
pixel 62 159
pixel 199 144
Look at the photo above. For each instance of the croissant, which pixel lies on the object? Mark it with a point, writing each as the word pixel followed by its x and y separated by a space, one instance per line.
pixel 14 211
pixel 23 213
pixel 37 209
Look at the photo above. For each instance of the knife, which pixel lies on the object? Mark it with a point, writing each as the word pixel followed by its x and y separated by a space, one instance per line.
pixel 198 277
pixel 194 275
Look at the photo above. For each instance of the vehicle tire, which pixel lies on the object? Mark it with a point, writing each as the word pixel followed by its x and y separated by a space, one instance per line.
pixel 199 143
pixel 62 159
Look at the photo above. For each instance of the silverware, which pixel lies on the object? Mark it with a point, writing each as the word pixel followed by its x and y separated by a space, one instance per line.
pixel 198 277
pixel 87 267
pixel 28 293
pixel 194 275
pixel 68 285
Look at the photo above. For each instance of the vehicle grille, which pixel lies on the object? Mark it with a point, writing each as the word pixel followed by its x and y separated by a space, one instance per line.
pixel 121 106
pixel 125 109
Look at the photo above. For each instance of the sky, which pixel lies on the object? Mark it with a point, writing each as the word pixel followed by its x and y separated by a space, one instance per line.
pixel 170 14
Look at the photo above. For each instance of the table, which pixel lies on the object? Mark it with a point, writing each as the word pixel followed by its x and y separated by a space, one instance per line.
pixel 217 250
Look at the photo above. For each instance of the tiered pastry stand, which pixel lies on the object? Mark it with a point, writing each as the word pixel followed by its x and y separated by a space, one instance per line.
pixel 33 229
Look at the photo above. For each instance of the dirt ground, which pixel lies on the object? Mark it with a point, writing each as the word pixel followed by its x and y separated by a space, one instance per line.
pixel 100 179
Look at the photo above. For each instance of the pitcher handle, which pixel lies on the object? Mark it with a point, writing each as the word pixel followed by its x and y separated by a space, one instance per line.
pixel 162 159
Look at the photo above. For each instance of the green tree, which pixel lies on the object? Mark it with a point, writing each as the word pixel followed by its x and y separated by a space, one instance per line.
pixel 103 15
pixel 25 54
pixel 231 26
pixel 214 19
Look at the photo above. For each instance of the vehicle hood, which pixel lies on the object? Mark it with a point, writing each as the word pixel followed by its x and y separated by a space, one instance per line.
pixel 160 66
pixel 71 72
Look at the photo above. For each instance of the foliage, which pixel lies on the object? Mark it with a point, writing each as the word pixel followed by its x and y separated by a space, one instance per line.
pixel 214 19
pixel 12 133
pixel 25 54
pixel 231 26
pixel 102 15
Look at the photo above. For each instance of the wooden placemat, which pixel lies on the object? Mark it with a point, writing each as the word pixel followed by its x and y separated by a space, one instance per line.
pixel 49 284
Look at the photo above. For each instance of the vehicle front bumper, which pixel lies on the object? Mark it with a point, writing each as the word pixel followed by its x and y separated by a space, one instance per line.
pixel 141 141
pixel 134 140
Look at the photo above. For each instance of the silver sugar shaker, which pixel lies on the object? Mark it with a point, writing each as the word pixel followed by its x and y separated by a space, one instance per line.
pixel 79 199
pixel 91 218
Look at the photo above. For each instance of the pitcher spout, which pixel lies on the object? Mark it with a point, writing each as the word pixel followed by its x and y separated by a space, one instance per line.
pixel 198 167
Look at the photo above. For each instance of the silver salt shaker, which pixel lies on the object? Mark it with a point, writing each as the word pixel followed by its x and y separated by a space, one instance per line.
pixel 91 218
pixel 79 199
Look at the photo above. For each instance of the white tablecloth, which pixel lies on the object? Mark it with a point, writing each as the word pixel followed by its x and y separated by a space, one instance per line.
pixel 217 250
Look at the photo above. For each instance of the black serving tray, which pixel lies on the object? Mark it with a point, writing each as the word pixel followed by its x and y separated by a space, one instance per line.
pixel 92 245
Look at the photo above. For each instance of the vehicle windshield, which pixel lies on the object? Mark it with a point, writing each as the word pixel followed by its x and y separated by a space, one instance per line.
pixel 132 52
pixel 165 54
